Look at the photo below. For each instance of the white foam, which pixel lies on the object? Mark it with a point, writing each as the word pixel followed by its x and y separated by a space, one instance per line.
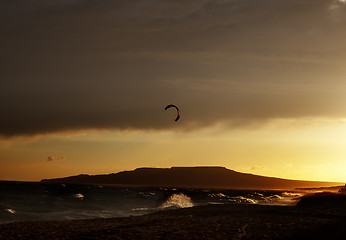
pixel 258 194
pixel 275 197
pixel 290 194
pixel 284 199
pixel 241 199
pixel 147 194
pixel 218 195
pixel 179 200
pixel 79 196
pixel 10 210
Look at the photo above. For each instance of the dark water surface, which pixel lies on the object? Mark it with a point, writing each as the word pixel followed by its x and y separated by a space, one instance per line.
pixel 27 201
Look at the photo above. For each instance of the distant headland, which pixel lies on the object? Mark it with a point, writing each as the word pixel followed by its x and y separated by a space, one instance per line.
pixel 196 177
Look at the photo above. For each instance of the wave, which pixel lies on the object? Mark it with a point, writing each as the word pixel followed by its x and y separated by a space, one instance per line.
pixel 178 200
pixel 248 197
pixel 10 210
pixel 78 196
pixel 38 201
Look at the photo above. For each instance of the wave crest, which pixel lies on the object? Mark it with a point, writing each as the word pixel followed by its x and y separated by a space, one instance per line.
pixel 179 200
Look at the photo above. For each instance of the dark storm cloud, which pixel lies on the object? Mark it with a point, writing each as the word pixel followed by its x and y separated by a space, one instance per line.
pixel 69 65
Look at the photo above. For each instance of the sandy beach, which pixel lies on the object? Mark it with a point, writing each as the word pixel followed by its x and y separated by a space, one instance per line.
pixel 201 222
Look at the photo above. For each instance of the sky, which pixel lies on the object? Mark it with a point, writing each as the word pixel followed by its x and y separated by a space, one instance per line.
pixel 260 85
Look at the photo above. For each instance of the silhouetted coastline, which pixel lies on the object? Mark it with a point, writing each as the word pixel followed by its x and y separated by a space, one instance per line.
pixel 202 177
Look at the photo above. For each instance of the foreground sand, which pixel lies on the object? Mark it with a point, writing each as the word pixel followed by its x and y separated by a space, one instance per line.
pixel 202 222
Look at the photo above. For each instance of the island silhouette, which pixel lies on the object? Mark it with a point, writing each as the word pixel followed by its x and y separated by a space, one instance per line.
pixel 195 177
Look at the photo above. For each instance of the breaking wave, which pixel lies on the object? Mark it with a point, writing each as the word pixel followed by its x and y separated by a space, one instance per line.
pixel 10 210
pixel 266 198
pixel 78 196
pixel 178 200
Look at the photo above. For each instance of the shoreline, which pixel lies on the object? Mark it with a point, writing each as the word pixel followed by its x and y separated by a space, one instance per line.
pixel 229 221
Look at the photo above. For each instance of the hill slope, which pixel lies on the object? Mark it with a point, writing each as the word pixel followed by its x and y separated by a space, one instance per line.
pixel 206 177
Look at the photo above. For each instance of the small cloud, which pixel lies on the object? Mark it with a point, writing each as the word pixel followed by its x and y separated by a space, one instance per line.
pixel 52 158
pixel 256 167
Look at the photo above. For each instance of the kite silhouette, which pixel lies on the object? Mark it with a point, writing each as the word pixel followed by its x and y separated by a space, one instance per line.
pixel 178 111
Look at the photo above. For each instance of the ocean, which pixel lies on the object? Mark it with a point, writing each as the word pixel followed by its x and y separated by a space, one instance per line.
pixel 29 201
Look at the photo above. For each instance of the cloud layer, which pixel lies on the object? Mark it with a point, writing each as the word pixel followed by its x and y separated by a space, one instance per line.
pixel 70 65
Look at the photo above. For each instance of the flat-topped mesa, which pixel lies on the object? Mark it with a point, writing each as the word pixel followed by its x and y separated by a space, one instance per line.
pixel 200 168
pixel 199 177
pixel 182 168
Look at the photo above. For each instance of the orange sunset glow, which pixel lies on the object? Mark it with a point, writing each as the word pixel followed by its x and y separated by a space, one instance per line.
pixel 260 87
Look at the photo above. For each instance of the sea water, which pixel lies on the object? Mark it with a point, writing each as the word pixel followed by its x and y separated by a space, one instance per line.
pixel 27 201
